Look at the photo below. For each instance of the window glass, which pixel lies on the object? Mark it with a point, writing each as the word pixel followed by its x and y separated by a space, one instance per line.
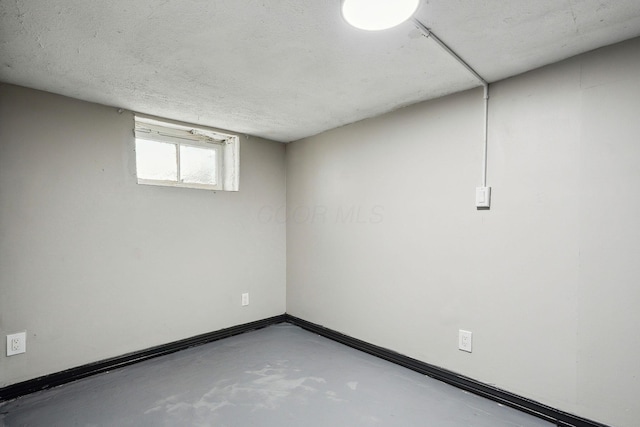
pixel 175 154
pixel 198 165
pixel 156 160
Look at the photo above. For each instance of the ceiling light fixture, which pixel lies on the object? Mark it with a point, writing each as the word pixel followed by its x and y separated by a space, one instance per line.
pixel 374 15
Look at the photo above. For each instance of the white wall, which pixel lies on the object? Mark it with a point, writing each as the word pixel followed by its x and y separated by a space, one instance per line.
pixel 93 265
pixel 547 280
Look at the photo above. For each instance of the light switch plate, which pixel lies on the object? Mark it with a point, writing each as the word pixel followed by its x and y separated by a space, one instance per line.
pixel 483 197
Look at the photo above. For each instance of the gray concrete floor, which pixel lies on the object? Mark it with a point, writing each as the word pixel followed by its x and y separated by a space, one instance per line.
pixel 277 376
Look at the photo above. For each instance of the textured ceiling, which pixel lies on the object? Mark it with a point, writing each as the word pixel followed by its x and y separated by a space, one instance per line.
pixel 285 69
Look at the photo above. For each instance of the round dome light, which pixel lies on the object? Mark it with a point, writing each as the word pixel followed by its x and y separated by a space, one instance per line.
pixel 376 15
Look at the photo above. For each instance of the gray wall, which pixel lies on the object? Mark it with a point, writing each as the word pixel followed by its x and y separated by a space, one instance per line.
pixel 93 265
pixel 384 242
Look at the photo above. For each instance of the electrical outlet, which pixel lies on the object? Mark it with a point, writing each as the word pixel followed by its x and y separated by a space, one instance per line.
pixel 245 299
pixel 464 340
pixel 16 343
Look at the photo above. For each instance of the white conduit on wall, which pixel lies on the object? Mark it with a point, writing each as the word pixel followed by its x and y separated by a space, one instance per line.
pixel 428 33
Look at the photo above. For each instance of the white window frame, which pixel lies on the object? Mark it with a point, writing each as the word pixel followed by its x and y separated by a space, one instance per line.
pixel 226 147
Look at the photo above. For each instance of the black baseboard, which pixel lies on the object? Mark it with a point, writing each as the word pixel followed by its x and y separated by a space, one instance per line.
pixel 560 418
pixel 59 378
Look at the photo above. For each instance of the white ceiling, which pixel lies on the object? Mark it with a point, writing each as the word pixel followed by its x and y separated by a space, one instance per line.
pixel 285 69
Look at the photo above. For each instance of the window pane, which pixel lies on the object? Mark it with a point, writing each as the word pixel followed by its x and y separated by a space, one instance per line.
pixel 198 165
pixel 156 160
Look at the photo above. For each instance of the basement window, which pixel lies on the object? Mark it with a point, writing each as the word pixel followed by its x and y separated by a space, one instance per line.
pixel 182 155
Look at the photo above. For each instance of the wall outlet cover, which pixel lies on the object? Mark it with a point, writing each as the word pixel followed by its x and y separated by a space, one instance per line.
pixel 464 340
pixel 16 343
